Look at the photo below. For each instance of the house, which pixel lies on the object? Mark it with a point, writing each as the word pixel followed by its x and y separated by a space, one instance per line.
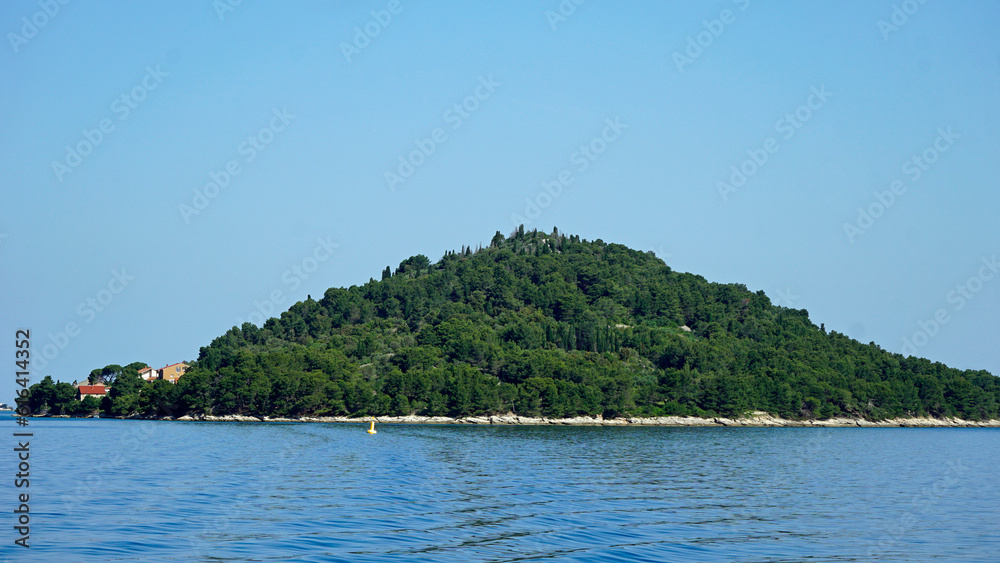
pixel 84 391
pixel 147 373
pixel 173 372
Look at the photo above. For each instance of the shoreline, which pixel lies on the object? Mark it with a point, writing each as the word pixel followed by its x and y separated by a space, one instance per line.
pixel 754 420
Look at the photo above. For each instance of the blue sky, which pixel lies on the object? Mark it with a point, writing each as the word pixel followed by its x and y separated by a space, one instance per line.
pixel 304 111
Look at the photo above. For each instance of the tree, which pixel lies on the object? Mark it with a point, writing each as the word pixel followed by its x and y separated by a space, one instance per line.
pixel 414 264
pixel 136 366
pixel 89 405
pixel 41 396
pixel 159 397
pixel 542 327
pixel 110 373
pixel 400 405
pixel 63 394
pixel 497 240
pixel 124 397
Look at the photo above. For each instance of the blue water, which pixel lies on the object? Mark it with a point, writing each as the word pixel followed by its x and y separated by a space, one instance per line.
pixel 112 490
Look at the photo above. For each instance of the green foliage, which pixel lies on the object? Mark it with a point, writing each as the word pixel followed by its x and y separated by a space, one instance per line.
pixel 546 325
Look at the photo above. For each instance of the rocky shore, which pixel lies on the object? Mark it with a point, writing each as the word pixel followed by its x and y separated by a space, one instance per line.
pixel 756 419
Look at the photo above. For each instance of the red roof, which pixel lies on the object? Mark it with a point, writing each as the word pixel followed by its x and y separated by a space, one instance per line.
pixel 91 389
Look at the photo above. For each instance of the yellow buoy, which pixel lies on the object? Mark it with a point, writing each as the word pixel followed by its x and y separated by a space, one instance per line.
pixel 372 429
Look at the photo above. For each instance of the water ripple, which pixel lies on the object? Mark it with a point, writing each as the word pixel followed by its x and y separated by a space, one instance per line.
pixel 154 491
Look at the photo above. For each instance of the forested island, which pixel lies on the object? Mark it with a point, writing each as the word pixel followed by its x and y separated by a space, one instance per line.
pixel 539 325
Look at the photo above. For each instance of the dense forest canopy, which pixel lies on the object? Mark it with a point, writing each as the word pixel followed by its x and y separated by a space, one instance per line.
pixel 544 324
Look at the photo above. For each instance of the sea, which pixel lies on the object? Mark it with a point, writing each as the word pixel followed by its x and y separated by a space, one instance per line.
pixel 131 490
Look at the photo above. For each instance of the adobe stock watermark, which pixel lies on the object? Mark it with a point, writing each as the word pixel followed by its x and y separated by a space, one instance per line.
pixel 958 298
pixel 293 278
pixel 123 106
pixel 660 253
pixel 249 149
pixel 31 26
pixel 809 449
pixel 899 16
pixel 787 126
pixel 580 161
pixel 88 310
pixel 93 483
pixel 225 7
pixel 914 168
pixel 246 503
pixel 563 11
pixel 924 502
pixel 697 43
pixel 364 35
pixel 454 116
pixel 787 297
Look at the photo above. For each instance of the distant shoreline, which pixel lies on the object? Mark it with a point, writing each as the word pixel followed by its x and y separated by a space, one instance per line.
pixel 756 420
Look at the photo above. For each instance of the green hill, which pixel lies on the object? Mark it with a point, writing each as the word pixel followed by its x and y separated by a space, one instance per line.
pixel 551 325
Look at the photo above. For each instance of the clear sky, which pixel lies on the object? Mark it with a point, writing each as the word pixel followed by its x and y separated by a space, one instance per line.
pixel 169 169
